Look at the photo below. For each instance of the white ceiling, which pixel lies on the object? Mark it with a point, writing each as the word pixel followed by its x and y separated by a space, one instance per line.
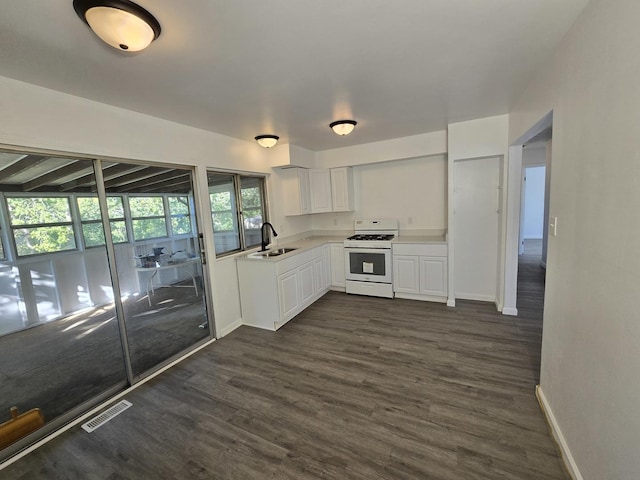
pixel 290 67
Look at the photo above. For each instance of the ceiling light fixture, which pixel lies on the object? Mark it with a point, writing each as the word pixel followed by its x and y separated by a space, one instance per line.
pixel 119 23
pixel 343 127
pixel 267 141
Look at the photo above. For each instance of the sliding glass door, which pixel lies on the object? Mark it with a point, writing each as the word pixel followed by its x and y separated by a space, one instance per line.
pixel 101 283
pixel 60 340
pixel 160 271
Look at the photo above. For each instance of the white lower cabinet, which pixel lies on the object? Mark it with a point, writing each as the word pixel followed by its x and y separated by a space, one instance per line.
pixel 306 280
pixel 420 271
pixel 406 277
pixel 272 292
pixel 289 293
pixel 433 276
pixel 337 266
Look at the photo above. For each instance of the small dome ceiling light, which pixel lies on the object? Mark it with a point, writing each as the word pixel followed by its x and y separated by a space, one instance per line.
pixel 119 23
pixel 267 141
pixel 343 127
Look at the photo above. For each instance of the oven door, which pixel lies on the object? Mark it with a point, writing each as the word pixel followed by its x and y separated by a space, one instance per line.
pixel 368 264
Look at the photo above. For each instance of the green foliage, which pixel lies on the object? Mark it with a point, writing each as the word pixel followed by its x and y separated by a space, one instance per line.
pixel 41 211
pixel 223 217
pixel 149 228
pixel 30 241
pixel 146 206
pixel 251 197
pixel 94 233
pixel 89 208
pixel 178 205
pixel 181 225
pixel 38 210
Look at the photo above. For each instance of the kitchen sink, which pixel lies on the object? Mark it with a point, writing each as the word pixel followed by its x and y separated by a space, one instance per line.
pixel 277 252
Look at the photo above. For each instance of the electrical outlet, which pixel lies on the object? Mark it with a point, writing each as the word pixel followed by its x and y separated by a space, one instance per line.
pixel 335 221
pixel 410 220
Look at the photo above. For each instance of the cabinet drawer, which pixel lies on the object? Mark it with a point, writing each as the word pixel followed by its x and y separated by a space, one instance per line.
pixel 294 261
pixel 421 249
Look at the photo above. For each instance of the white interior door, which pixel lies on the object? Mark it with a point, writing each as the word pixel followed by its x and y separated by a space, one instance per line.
pixel 477 220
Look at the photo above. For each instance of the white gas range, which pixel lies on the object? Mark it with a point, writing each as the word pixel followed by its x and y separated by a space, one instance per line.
pixel 368 257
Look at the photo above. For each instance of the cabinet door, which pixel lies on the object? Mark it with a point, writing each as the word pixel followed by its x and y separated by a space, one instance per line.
pixel 295 191
pixel 433 276
pixel 318 271
pixel 289 294
pixel 305 191
pixel 306 283
pixel 337 265
pixel 326 265
pixel 406 275
pixel 342 189
pixel 320 189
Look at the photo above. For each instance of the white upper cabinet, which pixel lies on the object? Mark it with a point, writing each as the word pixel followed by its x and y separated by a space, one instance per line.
pixel 342 189
pixel 317 190
pixel 320 188
pixel 296 189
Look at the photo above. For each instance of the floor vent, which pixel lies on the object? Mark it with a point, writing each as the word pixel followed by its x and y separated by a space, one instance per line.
pixel 105 416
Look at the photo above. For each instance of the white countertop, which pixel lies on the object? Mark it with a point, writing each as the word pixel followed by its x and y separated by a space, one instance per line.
pixel 318 240
pixel 420 239
pixel 299 245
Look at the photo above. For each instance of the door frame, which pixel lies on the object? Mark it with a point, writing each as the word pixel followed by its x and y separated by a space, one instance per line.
pixel 513 212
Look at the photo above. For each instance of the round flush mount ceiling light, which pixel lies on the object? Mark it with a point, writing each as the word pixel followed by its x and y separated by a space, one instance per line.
pixel 119 23
pixel 267 141
pixel 343 127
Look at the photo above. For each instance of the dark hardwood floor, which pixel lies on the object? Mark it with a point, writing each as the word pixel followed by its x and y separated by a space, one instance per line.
pixel 353 388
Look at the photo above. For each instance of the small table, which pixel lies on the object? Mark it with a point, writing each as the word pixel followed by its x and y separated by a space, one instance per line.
pixel 156 269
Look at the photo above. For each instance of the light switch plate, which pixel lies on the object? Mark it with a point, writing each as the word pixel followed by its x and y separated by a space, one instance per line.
pixel 553 226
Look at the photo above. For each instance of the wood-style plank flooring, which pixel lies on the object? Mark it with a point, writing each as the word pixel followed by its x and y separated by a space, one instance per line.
pixel 353 388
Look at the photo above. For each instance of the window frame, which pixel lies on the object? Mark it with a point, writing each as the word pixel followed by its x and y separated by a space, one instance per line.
pixel 171 215
pixel 99 221
pixel 163 217
pixel 238 214
pixel 13 228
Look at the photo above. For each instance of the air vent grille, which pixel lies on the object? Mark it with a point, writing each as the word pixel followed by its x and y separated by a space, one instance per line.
pixel 105 416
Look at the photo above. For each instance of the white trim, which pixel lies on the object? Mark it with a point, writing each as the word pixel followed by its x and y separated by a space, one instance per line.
pixel 230 328
pixel 567 457
pixel 510 311
pixel 476 297
pixel 451 302
pixel 420 297
pixel 262 327
pixel 95 410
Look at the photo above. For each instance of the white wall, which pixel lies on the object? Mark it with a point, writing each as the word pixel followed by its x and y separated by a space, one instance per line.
pixel 426 144
pixel 591 347
pixel 413 191
pixel 534 202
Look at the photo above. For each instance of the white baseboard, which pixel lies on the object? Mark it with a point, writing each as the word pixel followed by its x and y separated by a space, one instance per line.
pixel 510 311
pixel 476 297
pixel 451 302
pixel 567 457
pixel 226 330
pixel 421 298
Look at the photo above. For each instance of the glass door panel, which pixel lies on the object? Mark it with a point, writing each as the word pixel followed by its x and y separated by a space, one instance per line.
pixel 60 343
pixel 160 272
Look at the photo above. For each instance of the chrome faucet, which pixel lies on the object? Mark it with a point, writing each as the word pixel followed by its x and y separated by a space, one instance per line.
pixel 262 232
